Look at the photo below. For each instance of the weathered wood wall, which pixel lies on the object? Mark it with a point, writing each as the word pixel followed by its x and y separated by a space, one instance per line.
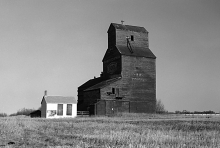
pixel 138 83
pixel 138 73
pixel 139 78
pixel 111 37
pixel 88 98
pixel 140 39
pixel 118 37
pixel 108 107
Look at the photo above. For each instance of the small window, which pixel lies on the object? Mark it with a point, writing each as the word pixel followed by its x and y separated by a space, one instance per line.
pixel 113 90
pixel 117 92
pixel 119 98
pixel 60 109
pixel 132 38
pixel 69 109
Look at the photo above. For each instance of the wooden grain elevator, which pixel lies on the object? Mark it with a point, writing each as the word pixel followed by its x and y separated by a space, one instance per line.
pixel 128 80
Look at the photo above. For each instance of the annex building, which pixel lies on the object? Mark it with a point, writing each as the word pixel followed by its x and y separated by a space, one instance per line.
pixel 128 80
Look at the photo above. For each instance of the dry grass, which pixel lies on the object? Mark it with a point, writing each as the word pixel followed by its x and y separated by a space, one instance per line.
pixel 127 130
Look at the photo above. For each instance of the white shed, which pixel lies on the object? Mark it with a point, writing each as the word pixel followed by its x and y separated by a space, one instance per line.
pixel 58 107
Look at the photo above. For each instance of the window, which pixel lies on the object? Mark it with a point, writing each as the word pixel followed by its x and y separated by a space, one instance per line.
pixel 60 109
pixel 69 109
pixel 132 38
pixel 117 92
pixel 113 90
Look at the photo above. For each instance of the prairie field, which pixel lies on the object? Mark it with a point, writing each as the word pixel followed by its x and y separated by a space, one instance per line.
pixel 121 131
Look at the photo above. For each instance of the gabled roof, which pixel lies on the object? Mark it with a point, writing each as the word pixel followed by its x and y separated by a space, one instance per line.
pixel 133 51
pixel 60 99
pixel 109 53
pixel 103 84
pixel 90 83
pixel 129 28
pixel 136 51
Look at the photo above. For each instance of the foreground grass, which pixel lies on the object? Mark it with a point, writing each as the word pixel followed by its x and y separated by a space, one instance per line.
pixel 121 131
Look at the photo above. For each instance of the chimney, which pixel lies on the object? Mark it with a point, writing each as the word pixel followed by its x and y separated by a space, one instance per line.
pixel 45 93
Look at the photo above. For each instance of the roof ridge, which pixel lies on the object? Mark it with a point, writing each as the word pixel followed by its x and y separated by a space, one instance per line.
pixel 127 25
pixel 129 28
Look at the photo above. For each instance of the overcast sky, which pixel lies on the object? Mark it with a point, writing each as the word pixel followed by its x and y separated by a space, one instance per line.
pixel 58 45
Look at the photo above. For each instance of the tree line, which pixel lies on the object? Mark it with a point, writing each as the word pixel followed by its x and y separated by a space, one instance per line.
pixel 195 112
pixel 23 111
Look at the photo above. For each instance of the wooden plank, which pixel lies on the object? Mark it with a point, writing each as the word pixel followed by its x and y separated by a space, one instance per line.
pixel 82 113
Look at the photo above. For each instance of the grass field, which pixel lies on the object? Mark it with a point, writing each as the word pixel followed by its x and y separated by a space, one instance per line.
pixel 128 130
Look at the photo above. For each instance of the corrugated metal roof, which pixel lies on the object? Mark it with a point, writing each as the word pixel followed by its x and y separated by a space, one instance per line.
pixel 60 99
pixel 136 51
pixel 129 28
pixel 103 84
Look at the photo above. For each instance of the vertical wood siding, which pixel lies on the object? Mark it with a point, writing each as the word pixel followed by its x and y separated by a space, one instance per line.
pixel 89 98
pixel 137 85
pixel 43 109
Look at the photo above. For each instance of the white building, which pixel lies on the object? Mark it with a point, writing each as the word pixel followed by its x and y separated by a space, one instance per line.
pixel 58 107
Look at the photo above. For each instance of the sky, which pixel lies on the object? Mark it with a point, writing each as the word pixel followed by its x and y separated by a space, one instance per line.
pixel 58 45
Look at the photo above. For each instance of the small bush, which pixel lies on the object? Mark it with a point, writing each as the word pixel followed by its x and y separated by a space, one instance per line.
pixel 23 111
pixel 160 107
pixel 3 115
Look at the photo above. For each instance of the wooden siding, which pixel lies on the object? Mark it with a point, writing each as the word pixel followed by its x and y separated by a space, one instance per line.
pixel 137 86
pixel 112 63
pixel 139 78
pixel 108 107
pixel 100 108
pixel 80 105
pixel 43 109
pixel 142 107
pixel 111 37
pixel 138 83
pixel 118 37
pixel 89 98
pixel 140 39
